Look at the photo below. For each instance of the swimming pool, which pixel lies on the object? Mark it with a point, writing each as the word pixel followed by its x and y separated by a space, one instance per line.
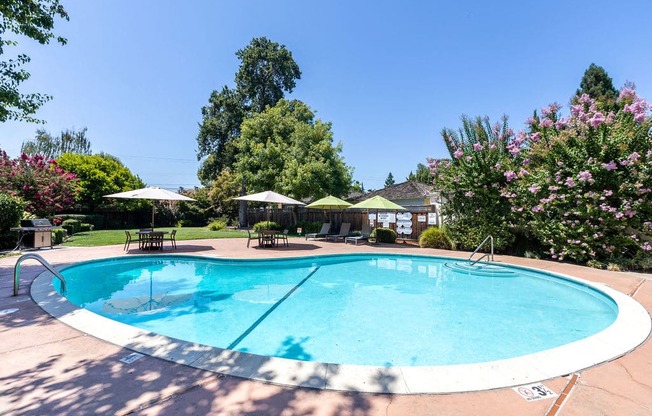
pixel 360 313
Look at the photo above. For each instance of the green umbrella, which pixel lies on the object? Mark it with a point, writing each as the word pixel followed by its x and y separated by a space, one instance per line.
pixel 377 202
pixel 329 202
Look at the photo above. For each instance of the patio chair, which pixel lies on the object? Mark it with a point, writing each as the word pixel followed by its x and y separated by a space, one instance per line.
pixel 344 232
pixel 129 240
pixel 325 228
pixel 365 233
pixel 172 239
pixel 283 237
pixel 252 235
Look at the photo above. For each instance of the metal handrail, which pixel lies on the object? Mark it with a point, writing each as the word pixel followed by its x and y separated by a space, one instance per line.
pixel 43 262
pixel 490 254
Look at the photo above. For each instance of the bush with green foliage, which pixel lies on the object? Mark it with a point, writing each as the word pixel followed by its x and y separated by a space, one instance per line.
pixel 267 225
pixel 435 237
pixel 58 236
pixel 580 186
pixel 71 226
pixel 384 235
pixel 307 227
pixel 11 211
pixel 184 223
pixel 85 227
pixel 217 225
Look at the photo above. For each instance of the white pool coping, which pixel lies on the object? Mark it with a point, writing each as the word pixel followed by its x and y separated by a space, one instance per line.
pixel 631 328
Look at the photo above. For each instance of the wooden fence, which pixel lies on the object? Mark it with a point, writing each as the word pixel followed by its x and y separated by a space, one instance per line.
pixel 289 216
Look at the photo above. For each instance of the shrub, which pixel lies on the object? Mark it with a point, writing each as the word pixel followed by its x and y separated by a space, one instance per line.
pixel 384 235
pixel 217 225
pixel 71 226
pixel 184 223
pixel 267 225
pixel 85 227
pixel 435 237
pixel 11 211
pixel 58 235
pixel 307 227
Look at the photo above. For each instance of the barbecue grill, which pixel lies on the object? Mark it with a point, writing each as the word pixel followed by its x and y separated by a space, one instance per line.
pixel 35 233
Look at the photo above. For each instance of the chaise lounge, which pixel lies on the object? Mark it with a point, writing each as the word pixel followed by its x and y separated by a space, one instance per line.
pixel 365 233
pixel 344 232
pixel 325 228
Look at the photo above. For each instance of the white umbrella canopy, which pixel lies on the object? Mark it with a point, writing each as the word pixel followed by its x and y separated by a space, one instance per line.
pixel 151 193
pixel 271 197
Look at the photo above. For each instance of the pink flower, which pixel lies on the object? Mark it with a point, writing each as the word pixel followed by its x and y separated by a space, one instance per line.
pixel 469 194
pixel 477 147
pixel 546 123
pixel 646 246
pixel 535 137
pixel 570 182
pixel 510 175
pixel 634 157
pixel 585 176
pixel 537 208
pixel 610 166
pixel 534 188
pixel 458 153
pixel 597 119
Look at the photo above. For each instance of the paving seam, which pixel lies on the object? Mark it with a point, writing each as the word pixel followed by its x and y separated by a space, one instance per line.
pixel 563 395
pixel 636 289
pixel 45 343
pixel 180 392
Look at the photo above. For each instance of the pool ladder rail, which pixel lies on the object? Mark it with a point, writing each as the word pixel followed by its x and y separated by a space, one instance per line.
pixel 489 256
pixel 45 264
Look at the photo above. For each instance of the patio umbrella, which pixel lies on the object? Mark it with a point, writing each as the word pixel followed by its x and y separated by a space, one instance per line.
pixel 329 203
pixel 377 202
pixel 270 197
pixel 151 193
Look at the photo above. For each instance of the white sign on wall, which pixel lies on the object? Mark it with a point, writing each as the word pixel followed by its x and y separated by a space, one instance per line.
pixel 421 218
pixel 432 218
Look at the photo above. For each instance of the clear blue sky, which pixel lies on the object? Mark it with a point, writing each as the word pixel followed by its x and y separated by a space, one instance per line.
pixel 388 75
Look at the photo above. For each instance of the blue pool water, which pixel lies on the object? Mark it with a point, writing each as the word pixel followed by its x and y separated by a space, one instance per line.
pixel 349 309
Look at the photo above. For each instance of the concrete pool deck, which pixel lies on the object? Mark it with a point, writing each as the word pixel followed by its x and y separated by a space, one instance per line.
pixel 50 368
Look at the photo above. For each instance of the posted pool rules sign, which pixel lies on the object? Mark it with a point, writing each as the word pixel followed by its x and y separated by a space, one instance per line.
pixel 534 392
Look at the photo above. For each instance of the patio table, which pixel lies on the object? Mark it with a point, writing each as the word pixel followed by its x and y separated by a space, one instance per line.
pixel 151 240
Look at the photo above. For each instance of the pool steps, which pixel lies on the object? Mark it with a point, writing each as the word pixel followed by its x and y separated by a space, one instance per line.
pixel 479 269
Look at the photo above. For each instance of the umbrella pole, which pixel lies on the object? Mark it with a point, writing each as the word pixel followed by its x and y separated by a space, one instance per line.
pixel 152 215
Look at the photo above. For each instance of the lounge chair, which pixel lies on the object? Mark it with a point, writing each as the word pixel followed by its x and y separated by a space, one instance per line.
pixel 129 240
pixel 325 228
pixel 365 233
pixel 344 232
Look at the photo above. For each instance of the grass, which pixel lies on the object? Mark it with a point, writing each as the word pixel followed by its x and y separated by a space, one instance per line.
pixel 110 237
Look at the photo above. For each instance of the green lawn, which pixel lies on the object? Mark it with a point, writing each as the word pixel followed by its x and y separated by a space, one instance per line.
pixel 108 237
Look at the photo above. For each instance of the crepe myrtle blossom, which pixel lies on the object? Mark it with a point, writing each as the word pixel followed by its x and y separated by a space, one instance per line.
pixel 585 176
pixel 458 153
pixel 510 175
pixel 546 123
pixel 597 119
pixel 570 182
pixel 646 246
pixel 537 208
pixel 469 194
pixel 610 166
pixel 534 189
pixel 477 147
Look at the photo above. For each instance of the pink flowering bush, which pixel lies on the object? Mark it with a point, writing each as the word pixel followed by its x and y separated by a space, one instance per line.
pixel 42 184
pixel 472 184
pixel 577 186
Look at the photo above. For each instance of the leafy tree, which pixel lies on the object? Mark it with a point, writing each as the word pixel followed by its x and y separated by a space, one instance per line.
pixel 225 187
pixel 42 184
pixel 99 175
pixel 221 120
pixel 389 181
pixel 267 71
pixel 423 175
pixel 69 141
pixel 598 85
pixel 285 149
pixel 198 212
pixel 33 19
